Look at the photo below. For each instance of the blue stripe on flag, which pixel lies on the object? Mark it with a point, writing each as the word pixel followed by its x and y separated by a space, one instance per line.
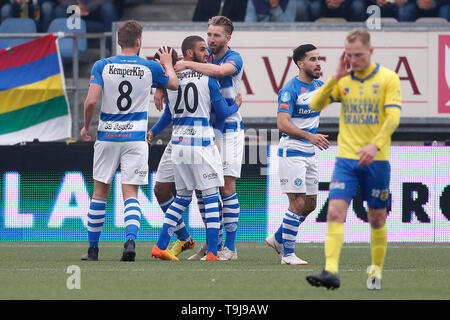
pixel 29 73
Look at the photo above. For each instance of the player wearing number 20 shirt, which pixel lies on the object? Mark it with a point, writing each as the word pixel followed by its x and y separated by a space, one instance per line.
pixel 194 151
pixel 126 82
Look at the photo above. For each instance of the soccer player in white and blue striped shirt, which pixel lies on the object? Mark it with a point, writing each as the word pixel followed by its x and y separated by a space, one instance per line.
pixel 195 158
pixel 125 83
pixel 227 66
pixel 297 163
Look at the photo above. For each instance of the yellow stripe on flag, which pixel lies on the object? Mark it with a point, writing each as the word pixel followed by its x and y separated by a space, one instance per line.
pixel 31 94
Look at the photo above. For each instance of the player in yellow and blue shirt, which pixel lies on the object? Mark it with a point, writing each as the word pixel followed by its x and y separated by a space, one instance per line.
pixel 370 98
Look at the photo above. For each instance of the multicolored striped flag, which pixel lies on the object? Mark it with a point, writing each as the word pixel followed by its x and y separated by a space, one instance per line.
pixel 33 101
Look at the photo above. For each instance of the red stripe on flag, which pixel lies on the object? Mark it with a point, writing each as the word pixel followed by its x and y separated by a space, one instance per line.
pixel 27 52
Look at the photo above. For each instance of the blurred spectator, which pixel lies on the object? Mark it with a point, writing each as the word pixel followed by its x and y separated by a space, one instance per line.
pixel 232 9
pixel 303 10
pixel 271 11
pixel 98 14
pixel 398 9
pixel 38 10
pixel 425 8
pixel 351 10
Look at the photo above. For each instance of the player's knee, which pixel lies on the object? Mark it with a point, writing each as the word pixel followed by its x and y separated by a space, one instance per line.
pixel 335 214
pixel 377 218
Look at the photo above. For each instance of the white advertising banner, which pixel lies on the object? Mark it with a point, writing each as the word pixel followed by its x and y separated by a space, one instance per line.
pixel 420 198
pixel 421 59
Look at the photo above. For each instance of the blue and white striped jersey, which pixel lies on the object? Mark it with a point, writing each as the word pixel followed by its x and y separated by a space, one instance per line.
pixel 126 82
pixel 191 108
pixel 294 98
pixel 230 85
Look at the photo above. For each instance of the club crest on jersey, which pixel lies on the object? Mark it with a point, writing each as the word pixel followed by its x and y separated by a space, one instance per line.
pixel 375 88
pixel 384 195
pixel 346 91
pixel 285 96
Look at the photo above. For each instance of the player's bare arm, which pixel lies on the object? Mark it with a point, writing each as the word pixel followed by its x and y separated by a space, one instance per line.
pixel 166 62
pixel 208 69
pixel 285 125
pixel 159 97
pixel 89 108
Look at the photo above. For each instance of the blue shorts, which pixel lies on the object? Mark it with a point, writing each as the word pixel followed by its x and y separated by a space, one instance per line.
pixel 373 181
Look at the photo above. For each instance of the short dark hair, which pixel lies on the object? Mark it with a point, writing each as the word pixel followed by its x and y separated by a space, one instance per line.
pixel 174 55
pixel 189 43
pixel 128 32
pixel 301 51
pixel 223 21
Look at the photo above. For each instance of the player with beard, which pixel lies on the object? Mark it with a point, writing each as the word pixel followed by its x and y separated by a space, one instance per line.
pixel 227 66
pixel 297 162
pixel 185 107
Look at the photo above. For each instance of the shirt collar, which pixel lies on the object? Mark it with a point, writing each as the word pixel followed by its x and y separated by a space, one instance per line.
pixel 366 74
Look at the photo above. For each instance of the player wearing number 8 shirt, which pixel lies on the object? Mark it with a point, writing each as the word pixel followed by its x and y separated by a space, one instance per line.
pixel 125 82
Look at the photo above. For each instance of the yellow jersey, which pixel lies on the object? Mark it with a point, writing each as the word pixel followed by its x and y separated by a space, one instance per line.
pixel 370 109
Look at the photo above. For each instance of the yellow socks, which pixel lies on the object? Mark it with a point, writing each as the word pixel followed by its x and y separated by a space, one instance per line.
pixel 378 245
pixel 333 245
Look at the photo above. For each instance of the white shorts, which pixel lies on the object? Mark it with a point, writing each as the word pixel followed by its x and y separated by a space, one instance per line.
pixel 132 157
pixel 232 151
pixel 165 166
pixel 197 168
pixel 298 175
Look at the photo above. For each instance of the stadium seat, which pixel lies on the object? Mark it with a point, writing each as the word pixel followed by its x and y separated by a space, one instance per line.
pixel 17 25
pixel 66 44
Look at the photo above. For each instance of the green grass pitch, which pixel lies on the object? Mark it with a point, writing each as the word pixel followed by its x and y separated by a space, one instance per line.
pixel 39 270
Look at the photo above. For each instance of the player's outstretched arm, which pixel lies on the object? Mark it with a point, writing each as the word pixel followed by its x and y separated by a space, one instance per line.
pixel 89 108
pixel 207 69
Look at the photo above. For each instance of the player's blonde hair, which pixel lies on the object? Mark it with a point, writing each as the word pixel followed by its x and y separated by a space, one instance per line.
pixel 223 21
pixel 361 35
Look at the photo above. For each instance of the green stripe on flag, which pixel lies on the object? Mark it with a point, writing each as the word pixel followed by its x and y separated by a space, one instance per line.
pixel 32 115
